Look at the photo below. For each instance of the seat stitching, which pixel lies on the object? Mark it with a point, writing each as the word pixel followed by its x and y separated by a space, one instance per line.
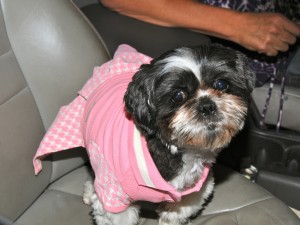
pixel 5 53
pixel 236 218
pixel 13 96
pixel 236 208
pixel 64 192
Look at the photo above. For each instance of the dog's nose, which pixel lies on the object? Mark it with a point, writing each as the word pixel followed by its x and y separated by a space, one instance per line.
pixel 206 106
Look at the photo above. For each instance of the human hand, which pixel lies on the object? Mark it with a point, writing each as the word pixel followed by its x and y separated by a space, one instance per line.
pixel 268 33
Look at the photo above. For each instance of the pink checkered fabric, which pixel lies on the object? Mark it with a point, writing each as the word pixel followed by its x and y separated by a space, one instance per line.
pixel 65 132
pixel 109 189
pixel 96 119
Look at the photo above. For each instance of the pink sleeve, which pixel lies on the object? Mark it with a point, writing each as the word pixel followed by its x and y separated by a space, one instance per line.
pixel 64 133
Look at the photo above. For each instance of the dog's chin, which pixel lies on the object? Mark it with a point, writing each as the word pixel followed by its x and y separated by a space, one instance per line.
pixel 209 134
pixel 211 139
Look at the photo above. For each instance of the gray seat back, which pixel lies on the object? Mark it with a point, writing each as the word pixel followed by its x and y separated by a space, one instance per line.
pixel 46 55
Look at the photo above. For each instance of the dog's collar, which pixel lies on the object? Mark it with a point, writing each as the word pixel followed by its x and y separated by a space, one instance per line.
pixel 173 148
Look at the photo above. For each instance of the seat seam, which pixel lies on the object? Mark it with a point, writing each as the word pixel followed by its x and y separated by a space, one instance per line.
pixel 237 208
pixel 236 218
pixel 5 53
pixel 234 211
pixel 64 192
pixel 272 215
pixel 39 196
pixel 13 96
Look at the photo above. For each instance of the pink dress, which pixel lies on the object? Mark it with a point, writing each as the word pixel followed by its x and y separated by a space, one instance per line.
pixel 96 120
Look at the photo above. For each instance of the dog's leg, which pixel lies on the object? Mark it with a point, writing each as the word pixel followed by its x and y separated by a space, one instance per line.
pixel 128 217
pixel 88 191
pixel 179 213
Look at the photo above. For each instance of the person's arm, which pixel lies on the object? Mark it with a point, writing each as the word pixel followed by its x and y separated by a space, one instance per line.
pixel 262 32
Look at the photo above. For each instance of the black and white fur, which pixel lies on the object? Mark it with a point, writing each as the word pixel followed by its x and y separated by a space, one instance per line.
pixel 188 103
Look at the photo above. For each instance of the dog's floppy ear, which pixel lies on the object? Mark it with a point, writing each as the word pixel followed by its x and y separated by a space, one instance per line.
pixel 138 100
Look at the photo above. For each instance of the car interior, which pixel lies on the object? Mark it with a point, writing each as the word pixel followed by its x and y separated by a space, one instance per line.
pixel 48 49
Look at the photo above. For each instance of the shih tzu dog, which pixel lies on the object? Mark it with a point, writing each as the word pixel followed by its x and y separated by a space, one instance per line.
pixel 187 105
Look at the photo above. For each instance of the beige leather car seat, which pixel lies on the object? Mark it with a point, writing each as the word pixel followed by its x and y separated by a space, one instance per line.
pixel 47 52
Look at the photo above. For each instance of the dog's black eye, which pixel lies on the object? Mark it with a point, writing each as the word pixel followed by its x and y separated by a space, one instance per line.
pixel 179 97
pixel 221 85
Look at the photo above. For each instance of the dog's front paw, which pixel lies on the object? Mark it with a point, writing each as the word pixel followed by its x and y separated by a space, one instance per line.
pixel 88 191
pixel 171 222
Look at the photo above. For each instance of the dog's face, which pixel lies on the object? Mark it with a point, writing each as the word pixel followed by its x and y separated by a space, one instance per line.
pixel 192 97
